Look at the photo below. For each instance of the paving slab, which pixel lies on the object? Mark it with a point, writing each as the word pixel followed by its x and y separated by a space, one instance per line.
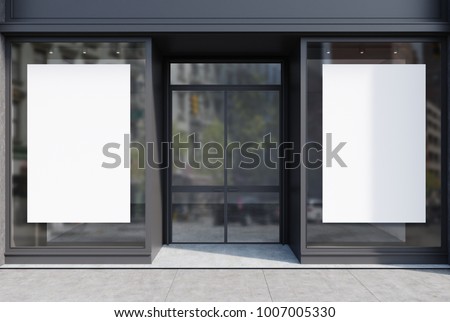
pixel 86 285
pixel 219 285
pixel 406 285
pixel 260 285
pixel 316 285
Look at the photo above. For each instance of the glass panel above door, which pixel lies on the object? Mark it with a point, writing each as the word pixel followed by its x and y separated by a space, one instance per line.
pixel 225 74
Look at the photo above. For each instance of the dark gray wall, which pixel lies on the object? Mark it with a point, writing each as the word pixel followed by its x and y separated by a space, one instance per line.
pixel 447 150
pixel 154 16
pixel 153 187
pixel 293 175
pixel 2 150
pixel 220 9
pixel 2 139
pixel 181 16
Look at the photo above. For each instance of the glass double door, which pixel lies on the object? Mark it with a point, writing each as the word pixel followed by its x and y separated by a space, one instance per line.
pixel 225 176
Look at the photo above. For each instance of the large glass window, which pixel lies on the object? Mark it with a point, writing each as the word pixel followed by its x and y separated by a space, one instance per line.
pixel 382 186
pixel 68 101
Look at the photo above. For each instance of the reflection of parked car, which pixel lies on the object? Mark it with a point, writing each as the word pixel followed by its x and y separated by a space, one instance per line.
pixel 314 210
pixel 180 179
pixel 247 210
pixel 180 212
pixel 234 215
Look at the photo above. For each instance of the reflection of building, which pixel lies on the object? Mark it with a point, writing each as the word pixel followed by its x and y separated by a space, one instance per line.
pixel 216 73
pixel 433 124
pixel 433 140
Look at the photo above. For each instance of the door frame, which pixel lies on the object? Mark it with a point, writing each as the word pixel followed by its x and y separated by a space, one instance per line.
pixel 167 223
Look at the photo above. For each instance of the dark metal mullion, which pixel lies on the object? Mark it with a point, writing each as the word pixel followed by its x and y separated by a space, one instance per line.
pixel 8 147
pixel 221 188
pixel 281 181
pixel 197 188
pixel 169 190
pixel 225 170
pixel 445 222
pixel 149 117
pixel 199 87
pixel 303 130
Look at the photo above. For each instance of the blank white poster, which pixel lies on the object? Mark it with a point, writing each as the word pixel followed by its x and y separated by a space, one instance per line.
pixel 380 112
pixel 72 112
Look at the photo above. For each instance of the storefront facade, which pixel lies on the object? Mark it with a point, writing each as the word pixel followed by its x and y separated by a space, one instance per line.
pixel 316 124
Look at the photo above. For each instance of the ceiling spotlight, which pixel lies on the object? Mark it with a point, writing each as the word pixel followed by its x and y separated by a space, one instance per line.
pixel 328 52
pixel 395 52
pixel 117 52
pixel 50 52
pixel 362 51
pixel 84 52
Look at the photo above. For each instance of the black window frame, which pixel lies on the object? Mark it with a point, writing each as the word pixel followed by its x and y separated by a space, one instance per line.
pixel 374 254
pixel 73 254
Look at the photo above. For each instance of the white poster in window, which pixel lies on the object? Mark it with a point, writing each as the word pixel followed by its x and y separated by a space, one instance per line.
pixel 379 111
pixel 72 112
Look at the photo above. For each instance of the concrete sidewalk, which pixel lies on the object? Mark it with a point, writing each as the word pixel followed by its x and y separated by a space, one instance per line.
pixel 92 285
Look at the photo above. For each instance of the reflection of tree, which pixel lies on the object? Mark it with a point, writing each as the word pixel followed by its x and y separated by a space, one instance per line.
pixel 433 181
pixel 179 154
pixel 214 132
pixel 252 115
